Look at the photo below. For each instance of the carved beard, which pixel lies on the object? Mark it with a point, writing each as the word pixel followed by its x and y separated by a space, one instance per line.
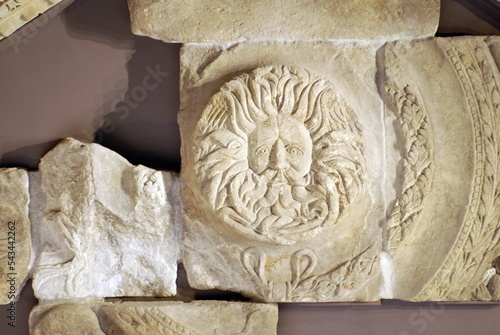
pixel 276 205
pixel 283 207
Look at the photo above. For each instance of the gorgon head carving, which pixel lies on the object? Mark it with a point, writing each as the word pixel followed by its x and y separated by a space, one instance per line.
pixel 278 155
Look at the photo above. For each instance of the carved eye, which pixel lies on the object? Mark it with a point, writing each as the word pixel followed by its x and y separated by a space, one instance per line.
pixel 264 150
pixel 233 144
pixel 324 145
pixel 293 150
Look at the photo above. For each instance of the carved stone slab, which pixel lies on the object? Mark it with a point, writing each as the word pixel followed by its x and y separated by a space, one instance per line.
pixel 15 236
pixel 443 144
pixel 247 20
pixel 146 318
pixel 16 13
pixel 282 170
pixel 107 228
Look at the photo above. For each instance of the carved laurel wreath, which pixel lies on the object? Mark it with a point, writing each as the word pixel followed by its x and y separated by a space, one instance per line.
pixel 417 163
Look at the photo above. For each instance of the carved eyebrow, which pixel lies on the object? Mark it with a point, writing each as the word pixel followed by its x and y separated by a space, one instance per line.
pixel 293 141
pixel 287 130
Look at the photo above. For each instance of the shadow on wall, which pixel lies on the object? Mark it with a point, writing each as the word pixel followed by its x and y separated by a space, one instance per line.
pixel 146 115
pixel 486 10
pixel 469 17
pixel 27 157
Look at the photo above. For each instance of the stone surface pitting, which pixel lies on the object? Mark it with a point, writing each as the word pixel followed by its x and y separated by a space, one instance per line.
pixel 443 121
pixel 199 21
pixel 146 318
pixel 278 172
pixel 107 228
pixel 15 235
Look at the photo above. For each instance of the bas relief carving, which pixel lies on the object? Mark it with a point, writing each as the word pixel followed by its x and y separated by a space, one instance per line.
pixel 417 169
pixel 16 13
pixel 276 163
pixel 254 174
pixel 142 318
pixel 303 284
pixel 450 148
pixel 278 155
pixel 479 237
pixel 277 187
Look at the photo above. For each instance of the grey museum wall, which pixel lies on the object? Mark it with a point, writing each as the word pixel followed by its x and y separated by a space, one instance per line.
pixel 71 73
pixel 78 71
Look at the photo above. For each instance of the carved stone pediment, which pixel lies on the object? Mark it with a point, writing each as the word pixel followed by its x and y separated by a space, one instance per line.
pixel 351 173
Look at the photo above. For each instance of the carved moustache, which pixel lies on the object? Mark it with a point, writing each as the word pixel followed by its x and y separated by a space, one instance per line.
pixel 288 176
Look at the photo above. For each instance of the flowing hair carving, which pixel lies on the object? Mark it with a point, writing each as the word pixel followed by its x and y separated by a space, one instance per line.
pixel 221 153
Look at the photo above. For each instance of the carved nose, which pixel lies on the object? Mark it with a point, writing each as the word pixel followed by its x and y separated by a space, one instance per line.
pixel 279 158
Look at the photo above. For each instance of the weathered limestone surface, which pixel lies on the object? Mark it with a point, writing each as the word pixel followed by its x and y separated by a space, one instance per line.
pixel 443 167
pixel 107 228
pixel 146 318
pixel 282 170
pixel 290 175
pixel 320 163
pixel 15 13
pixel 15 236
pixel 248 20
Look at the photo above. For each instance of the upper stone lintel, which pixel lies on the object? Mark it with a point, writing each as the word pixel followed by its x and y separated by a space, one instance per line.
pixel 215 21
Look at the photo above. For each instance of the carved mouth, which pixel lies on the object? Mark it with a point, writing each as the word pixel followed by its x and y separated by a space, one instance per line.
pixel 278 177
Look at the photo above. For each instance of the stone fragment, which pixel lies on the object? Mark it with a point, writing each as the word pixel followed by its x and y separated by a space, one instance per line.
pixel 107 228
pixel 14 13
pixel 15 235
pixel 64 319
pixel 146 318
pixel 443 167
pixel 282 170
pixel 200 21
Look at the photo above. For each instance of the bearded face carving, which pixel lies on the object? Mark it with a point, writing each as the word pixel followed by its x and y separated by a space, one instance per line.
pixel 277 155
pixel 281 148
